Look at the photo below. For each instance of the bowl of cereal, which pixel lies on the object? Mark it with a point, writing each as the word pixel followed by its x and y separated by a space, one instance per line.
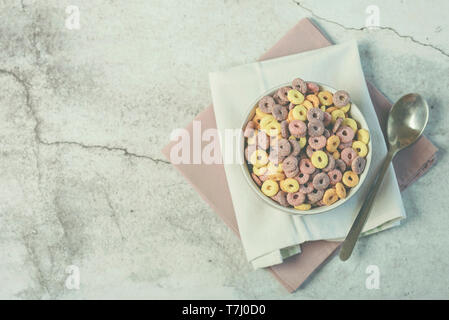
pixel 306 147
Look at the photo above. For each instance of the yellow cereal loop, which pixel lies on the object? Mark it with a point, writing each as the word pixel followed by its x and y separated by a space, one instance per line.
pixel 332 143
pixel 292 138
pixel 340 190
pixel 350 179
pixel 307 104
pixel 295 97
pixel 336 155
pixel 259 158
pixel 273 128
pixel 260 113
pixel 274 168
pixel 278 176
pixel 300 113
pixel 266 121
pixel 270 188
pixel 325 98
pixel 290 185
pixel 363 136
pixel 319 159
pixel 337 114
pixel 346 108
pixel 330 196
pixel 350 123
pixel 258 171
pixel 314 99
pixel 360 148
pixel 323 108
pixel 304 207
pixel 302 142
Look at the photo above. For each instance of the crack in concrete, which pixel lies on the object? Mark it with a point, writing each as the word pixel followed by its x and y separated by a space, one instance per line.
pixel 441 51
pixel 40 141
pixel 40 274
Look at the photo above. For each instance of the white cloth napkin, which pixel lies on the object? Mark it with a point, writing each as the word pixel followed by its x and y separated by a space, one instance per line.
pixel 269 235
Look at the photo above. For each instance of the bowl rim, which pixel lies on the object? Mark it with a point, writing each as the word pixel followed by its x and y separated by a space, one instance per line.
pixel 317 210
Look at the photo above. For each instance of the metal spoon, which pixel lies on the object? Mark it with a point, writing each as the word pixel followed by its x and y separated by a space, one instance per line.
pixel 406 122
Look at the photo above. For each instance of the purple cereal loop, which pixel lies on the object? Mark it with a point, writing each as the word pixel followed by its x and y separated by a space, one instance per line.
pixel 282 94
pixel 346 134
pixel 309 151
pixel 302 178
pixel 283 147
pixel 341 165
pixel 279 112
pixel 315 195
pixel 327 119
pixel 315 128
pixel 337 124
pixel 256 179
pixel 300 85
pixel 281 198
pixel 249 129
pixel 262 141
pixel 341 98
pixel 306 166
pixel 331 163
pixel 295 199
pixel 326 134
pixel 317 142
pixel 358 165
pixel 334 176
pixel 275 157
pixel 284 129
pixel 342 146
pixel 315 114
pixel 348 155
pixel 290 163
pixel 291 106
pixel 297 128
pixel 313 87
pixel 306 188
pixel 266 104
pixel 291 173
pixel 296 148
pixel 321 181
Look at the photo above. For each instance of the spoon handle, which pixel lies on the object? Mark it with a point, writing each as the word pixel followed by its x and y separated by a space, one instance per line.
pixel 359 222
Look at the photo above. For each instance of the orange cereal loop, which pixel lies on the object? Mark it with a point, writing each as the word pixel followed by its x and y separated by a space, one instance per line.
pixel 332 143
pixel 326 98
pixel 257 118
pixel 336 155
pixel 330 196
pixel 350 179
pixel 314 99
pixel 340 190
pixel 329 110
pixel 290 116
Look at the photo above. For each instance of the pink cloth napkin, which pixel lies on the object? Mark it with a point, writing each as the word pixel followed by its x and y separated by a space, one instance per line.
pixel 409 164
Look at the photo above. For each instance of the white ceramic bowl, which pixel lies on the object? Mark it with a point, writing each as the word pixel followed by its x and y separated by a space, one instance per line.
pixel 354 113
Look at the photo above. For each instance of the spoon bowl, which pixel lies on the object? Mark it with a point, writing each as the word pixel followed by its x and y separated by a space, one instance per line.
pixel 407 119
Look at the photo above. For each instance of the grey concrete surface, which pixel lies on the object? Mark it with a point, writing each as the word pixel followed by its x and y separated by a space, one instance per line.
pixel 84 114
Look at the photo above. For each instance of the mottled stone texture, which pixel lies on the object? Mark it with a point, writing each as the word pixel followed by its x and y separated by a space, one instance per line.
pixel 84 114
